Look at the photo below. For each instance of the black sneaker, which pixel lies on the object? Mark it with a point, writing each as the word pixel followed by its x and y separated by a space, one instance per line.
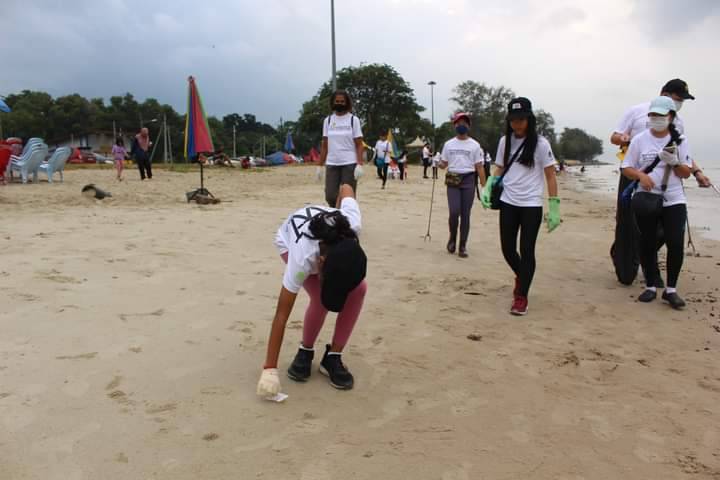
pixel 462 253
pixel 451 246
pixel 647 296
pixel 332 367
pixel 301 366
pixel 674 300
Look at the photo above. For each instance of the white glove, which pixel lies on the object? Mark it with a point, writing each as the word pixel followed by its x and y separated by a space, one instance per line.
pixel 358 172
pixel 269 384
pixel 319 173
pixel 669 155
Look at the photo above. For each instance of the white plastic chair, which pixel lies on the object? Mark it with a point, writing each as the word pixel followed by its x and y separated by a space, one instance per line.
pixel 56 163
pixel 30 162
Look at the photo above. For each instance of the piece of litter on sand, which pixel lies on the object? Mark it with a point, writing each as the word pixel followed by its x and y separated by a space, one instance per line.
pixel 279 398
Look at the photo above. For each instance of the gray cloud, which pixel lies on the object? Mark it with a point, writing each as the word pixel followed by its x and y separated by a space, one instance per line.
pixel 672 17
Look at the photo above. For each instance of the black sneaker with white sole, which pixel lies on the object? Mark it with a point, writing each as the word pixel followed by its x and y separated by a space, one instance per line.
pixel 674 300
pixel 333 367
pixel 301 367
pixel 647 296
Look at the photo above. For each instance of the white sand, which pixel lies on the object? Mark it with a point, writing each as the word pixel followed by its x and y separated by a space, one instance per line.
pixel 132 332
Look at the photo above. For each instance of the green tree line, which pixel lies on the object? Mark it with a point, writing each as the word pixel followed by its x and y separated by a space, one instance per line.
pixel 382 100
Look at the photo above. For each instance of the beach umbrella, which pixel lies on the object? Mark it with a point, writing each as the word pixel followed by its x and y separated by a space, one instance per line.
pixel 394 150
pixel 4 106
pixel 197 134
pixel 289 145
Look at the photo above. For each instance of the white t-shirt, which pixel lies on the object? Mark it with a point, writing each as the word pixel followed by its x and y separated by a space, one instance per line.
pixel 635 121
pixel 462 155
pixel 341 132
pixel 383 150
pixel 294 238
pixel 426 152
pixel 641 154
pixel 525 186
pixel 436 159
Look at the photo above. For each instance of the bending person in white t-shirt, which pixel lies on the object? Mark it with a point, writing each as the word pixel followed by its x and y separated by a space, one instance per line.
pixel 322 251
pixel 342 147
pixel 663 149
pixel 463 158
pixel 524 162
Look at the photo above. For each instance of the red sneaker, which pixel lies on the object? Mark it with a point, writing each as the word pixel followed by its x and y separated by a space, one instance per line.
pixel 516 292
pixel 519 306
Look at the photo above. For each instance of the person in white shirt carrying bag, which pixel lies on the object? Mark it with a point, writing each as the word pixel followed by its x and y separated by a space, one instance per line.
pixel 342 149
pixel 658 160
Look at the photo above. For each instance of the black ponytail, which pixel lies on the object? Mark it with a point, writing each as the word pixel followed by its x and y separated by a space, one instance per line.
pixel 674 134
pixel 331 227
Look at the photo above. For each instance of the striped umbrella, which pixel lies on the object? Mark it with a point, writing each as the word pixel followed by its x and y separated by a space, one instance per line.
pixel 197 132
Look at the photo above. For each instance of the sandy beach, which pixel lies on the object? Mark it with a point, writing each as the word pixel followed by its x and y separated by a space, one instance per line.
pixel 133 330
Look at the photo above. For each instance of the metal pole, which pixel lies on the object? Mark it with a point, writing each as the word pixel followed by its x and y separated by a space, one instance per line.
pixel 234 143
pixel 114 133
pixel 432 84
pixel 165 140
pixel 332 30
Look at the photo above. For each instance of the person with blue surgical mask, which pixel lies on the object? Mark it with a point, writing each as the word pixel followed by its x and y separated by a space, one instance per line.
pixel 463 158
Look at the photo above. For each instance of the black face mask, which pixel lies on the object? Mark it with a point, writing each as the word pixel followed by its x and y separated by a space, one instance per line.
pixel 340 107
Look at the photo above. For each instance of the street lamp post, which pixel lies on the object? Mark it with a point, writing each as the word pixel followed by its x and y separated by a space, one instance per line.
pixel 332 33
pixel 234 148
pixel 432 84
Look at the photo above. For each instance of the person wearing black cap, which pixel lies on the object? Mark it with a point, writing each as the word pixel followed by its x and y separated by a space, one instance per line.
pixel 322 251
pixel 463 157
pixel 635 121
pixel 524 162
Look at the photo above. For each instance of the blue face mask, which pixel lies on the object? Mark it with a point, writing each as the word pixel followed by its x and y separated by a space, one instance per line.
pixel 462 129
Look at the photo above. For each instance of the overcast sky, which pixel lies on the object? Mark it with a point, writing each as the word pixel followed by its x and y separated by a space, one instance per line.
pixel 585 61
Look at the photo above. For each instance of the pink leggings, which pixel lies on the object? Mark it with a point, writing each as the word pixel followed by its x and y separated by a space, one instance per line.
pixel 316 312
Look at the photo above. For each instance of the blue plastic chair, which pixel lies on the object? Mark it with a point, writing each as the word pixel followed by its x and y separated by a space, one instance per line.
pixel 30 162
pixel 56 163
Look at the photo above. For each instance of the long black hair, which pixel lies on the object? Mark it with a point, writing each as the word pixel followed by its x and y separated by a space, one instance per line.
pixel 527 157
pixel 119 142
pixel 344 94
pixel 674 134
pixel 331 227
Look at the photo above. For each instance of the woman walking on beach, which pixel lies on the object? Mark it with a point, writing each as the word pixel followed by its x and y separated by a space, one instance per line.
pixel 322 252
pixel 402 164
pixel 463 158
pixel 524 162
pixel 141 151
pixel 342 147
pixel 659 159
pixel 119 155
pixel 382 157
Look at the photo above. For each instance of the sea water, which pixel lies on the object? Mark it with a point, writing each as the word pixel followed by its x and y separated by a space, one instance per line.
pixel 703 203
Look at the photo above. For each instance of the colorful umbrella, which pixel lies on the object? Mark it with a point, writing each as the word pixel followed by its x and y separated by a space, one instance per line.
pixel 4 107
pixel 289 145
pixel 197 132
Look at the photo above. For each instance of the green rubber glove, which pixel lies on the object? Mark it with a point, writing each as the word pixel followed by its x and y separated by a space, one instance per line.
pixel 553 216
pixel 487 190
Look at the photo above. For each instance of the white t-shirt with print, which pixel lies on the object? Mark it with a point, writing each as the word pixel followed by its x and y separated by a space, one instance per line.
pixel 462 155
pixel 294 238
pixel 525 186
pixel 383 150
pixel 641 154
pixel 635 121
pixel 341 132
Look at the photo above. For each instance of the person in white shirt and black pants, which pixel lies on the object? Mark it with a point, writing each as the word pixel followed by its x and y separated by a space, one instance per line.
pixel 342 147
pixel 659 159
pixel 524 162
pixel 463 158
pixel 382 157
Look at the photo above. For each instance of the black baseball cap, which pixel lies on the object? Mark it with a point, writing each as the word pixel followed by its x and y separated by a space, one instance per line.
pixel 519 107
pixel 679 88
pixel 344 269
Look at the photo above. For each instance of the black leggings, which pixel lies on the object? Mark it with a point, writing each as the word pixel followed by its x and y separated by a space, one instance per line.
pixel 527 220
pixel 144 165
pixel 673 221
pixel 384 173
pixel 401 167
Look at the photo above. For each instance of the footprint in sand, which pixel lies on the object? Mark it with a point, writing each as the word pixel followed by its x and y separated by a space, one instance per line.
pixel 82 356
pixel 601 428
pixel 167 407
pixel 461 473
pixel 463 405
pixel 309 424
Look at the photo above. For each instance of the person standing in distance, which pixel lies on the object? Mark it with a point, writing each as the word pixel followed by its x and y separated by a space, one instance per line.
pixel 382 157
pixel 463 158
pixel 322 253
pixel 141 151
pixel 342 147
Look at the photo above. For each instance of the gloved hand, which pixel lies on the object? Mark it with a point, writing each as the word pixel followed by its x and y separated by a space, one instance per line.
pixel 669 155
pixel 269 384
pixel 553 216
pixel 358 172
pixel 487 191
pixel 319 173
